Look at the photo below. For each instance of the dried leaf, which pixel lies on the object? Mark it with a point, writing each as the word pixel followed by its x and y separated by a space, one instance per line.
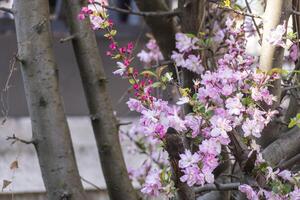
pixel 5 184
pixel 14 165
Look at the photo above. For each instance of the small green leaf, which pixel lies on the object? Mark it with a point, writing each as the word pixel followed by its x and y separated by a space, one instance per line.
pixel 156 85
pixel 148 72
pixel 131 81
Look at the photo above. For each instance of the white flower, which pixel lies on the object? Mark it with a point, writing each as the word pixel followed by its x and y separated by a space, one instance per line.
pixel 121 70
pixel 183 100
pixel 169 77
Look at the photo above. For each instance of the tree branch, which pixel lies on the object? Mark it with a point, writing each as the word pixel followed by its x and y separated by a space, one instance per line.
pixel 139 13
pixel 289 163
pixel 16 139
pixel 295 12
pixel 90 183
pixel 217 187
pixel 68 38
pixel 253 20
pixel 8 10
pixel 285 147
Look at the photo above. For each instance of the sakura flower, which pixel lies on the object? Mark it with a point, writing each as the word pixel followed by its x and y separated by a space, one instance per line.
pixel 271 174
pixel 210 162
pixel 210 146
pixel 194 123
pixel 193 63
pixel 185 43
pixel 188 159
pixel 295 195
pixel 96 22
pixel 234 106
pixel 276 35
pixel 144 56
pixel 152 184
pixel 122 69
pixel 285 174
pixel 135 105
pixel 220 126
pixel 192 175
pixel 250 193
pixel 178 58
pixel 251 127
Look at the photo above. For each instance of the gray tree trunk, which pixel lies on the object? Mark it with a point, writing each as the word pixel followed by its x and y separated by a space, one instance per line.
pixel 51 135
pixel 103 120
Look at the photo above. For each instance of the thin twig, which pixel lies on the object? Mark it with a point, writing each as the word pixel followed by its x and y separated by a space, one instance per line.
pixel 138 13
pixel 294 12
pixel 253 20
pixel 162 63
pixel 124 124
pixel 217 187
pixel 291 87
pixel 68 38
pixel 8 10
pixel 16 139
pixel 90 183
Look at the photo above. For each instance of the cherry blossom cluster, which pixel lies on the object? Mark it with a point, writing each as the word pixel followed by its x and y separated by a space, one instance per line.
pixel 152 55
pixel 186 57
pixel 225 99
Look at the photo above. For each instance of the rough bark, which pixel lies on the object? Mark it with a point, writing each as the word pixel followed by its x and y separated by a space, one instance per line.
pixel 287 146
pixel 277 12
pixel 51 133
pixel 103 120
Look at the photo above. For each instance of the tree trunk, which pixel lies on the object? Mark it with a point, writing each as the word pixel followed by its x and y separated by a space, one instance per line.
pixel 103 120
pixel 51 133
pixel 277 12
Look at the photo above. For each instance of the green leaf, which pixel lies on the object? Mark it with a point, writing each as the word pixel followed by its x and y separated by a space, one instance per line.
pixel 156 84
pixel 148 72
pixel 131 81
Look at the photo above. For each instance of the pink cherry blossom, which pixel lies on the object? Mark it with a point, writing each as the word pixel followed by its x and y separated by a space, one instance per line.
pixel 250 127
pixel 192 175
pixel 188 159
pixel 210 146
pixel 276 35
pixel 152 184
pixel 250 193
pixel 185 43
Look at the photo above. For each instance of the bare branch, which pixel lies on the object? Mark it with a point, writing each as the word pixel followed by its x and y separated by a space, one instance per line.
pixel 68 38
pixel 90 183
pixel 139 13
pixel 8 10
pixel 285 147
pixel 217 187
pixel 289 163
pixel 294 12
pixel 253 20
pixel 16 139
pixel 290 87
